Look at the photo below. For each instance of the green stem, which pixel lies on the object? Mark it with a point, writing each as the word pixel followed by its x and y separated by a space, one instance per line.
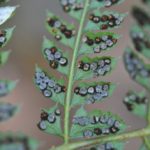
pixel 146 141
pixel 71 74
pixel 148 113
pixel 121 137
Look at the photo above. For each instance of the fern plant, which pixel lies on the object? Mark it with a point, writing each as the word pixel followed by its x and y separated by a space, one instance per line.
pixel 75 87
pixel 137 65
pixel 7 110
pixel 6 86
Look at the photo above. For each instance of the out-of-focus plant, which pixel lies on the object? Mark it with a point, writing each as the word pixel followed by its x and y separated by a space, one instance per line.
pixel 6 110
pixel 9 141
pixel 138 66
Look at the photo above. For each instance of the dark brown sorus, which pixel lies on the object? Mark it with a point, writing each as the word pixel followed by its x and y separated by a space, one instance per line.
pixel 139 43
pixel 53 50
pixel 63 88
pixel 67 8
pixel 53 64
pixel 111 17
pixel 51 21
pixel 80 64
pixel 114 41
pixel 91 16
pixel 97 131
pixel 68 33
pixel 98 40
pixel 104 18
pixel 90 42
pixel 104 27
pixel 114 1
pixel 129 106
pixel 2 33
pixel 113 129
pixel 44 116
pixel 63 28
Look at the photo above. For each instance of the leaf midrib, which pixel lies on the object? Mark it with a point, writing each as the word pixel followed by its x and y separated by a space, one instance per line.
pixel 71 74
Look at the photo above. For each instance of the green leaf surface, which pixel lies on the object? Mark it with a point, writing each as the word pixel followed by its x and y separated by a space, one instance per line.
pixel 79 100
pixel 97 26
pixel 113 145
pixel 143 147
pixel 137 103
pixel 146 144
pixel 118 145
pixel 53 128
pixel 59 98
pixel 55 31
pixel 4 57
pixel 9 141
pixel 86 49
pixel 77 130
pixel 6 13
pixel 7 111
pixel 81 74
pixel 142 79
pixel 97 4
pixel 140 110
pixel 49 44
pixel 3 1
pixel 8 35
pixel 6 87
pixel 144 23
pixel 146 1
pixel 144 47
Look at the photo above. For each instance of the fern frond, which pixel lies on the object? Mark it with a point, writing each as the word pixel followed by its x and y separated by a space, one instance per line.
pixel 146 1
pixel 94 67
pixel 50 86
pixel 142 17
pixel 136 103
pixel 7 111
pixel 17 142
pixel 6 87
pixel 89 93
pixel 51 121
pixel 106 4
pixel 97 42
pixel 138 68
pixel 141 41
pixel 62 31
pixel 56 58
pixel 9 141
pixel 108 145
pixel 87 39
pixel 106 21
pixel 95 123
pixel 6 35
pixel 4 57
pixel 6 12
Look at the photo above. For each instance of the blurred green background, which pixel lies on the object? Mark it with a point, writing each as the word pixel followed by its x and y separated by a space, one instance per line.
pixel 26 46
